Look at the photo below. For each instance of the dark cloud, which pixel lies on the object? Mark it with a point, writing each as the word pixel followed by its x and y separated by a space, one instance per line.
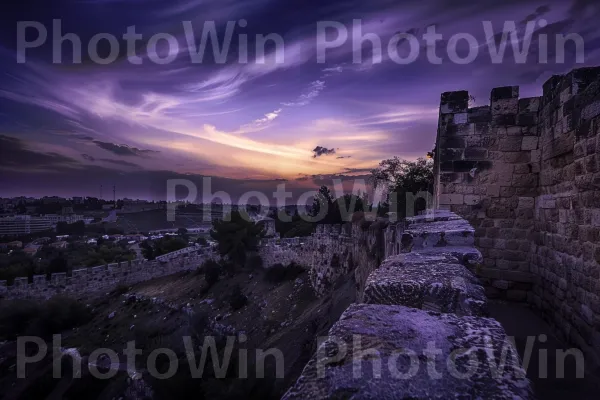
pixel 322 151
pixel 123 149
pixel 338 157
pixel 88 157
pixel 540 11
pixel 15 154
pixel 328 179
pixel 118 162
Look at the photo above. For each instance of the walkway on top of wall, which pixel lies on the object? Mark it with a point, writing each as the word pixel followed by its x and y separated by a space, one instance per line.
pixel 377 349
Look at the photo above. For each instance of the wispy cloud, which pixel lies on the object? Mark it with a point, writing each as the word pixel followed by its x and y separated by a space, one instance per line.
pixel 314 89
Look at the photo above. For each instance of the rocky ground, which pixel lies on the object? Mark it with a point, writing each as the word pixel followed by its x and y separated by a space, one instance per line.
pixel 158 314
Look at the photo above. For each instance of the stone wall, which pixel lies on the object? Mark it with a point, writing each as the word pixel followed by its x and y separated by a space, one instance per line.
pixel 526 174
pixel 565 252
pixel 487 167
pixel 421 294
pixel 86 281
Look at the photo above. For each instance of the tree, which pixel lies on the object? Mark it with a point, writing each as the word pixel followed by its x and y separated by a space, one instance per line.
pixel 323 198
pixel 403 177
pixel 58 264
pixel 236 236
pixel 76 228
pixel 211 272
pixel 147 250
pixel 183 232
pixel 344 207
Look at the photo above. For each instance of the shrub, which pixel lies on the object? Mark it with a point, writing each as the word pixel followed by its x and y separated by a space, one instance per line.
pixel 211 272
pixel 229 268
pixel 198 324
pixel 279 272
pixel 254 262
pixel 365 224
pixel 237 299
pixel 121 289
pixel 18 317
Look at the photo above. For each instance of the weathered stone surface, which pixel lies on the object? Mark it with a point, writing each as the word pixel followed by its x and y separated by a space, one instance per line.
pixel 430 282
pixel 436 234
pixel 537 222
pixel 396 338
pixel 468 256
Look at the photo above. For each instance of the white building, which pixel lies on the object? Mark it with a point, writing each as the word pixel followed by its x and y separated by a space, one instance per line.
pixel 68 218
pixel 23 224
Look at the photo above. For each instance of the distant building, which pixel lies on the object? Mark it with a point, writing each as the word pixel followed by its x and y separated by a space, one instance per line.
pixel 23 225
pixel 68 218
pixel 67 210
pixel 53 200
pixel 112 217
pixel 77 200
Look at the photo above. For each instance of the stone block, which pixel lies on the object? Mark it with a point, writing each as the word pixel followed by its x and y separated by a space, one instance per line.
pixel 475 154
pixel 461 130
pixel 461 118
pixel 451 154
pixel 514 131
pixel 493 190
pixel 529 105
pixel 516 157
pixel 526 202
pixel 504 120
pixel 529 143
pixel 505 106
pixel 472 199
pixel 451 198
pixel 431 282
pixel 527 120
pixel 501 284
pixel 546 201
pixel 480 115
pixel 454 102
pixel 504 92
pixel 395 338
pixel 511 143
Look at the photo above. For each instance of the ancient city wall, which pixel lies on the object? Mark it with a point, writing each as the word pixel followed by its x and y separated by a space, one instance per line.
pixel 422 292
pixel 525 174
pixel 86 281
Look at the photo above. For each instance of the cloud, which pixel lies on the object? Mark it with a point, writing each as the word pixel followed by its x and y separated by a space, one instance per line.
pixel 314 89
pixel 340 157
pixel 123 149
pixel 322 151
pixel 15 154
pixel 122 163
pixel 118 162
pixel 268 117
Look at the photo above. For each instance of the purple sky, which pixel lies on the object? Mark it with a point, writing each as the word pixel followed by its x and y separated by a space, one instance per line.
pixel 66 129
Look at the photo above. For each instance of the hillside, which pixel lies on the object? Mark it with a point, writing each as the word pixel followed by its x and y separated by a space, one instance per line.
pixel 159 313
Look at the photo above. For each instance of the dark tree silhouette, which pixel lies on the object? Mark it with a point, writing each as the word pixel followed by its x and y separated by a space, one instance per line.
pixel 236 236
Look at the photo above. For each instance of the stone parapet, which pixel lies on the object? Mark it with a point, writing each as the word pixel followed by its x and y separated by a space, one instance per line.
pixel 381 352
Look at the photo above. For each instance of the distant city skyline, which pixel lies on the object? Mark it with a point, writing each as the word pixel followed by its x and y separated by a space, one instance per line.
pixel 67 128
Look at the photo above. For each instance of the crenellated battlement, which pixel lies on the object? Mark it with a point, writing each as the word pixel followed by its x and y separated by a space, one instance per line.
pixel 525 174
pixel 85 281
